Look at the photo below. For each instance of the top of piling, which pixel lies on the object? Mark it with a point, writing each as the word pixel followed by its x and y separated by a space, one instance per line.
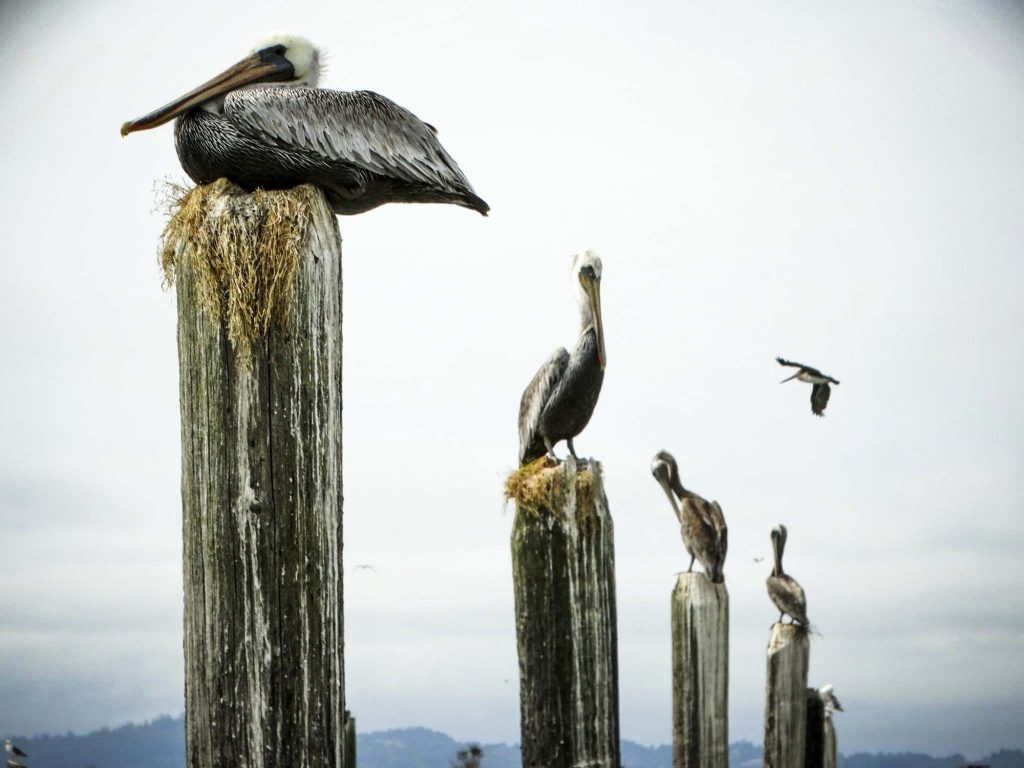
pixel 243 250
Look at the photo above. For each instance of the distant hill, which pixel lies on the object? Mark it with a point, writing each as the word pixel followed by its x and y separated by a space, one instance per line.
pixel 161 744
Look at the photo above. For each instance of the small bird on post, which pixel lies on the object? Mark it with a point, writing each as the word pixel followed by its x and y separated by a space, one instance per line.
pixel 701 522
pixel 558 403
pixel 12 750
pixel 783 589
pixel 263 123
pixel 820 391
pixel 828 697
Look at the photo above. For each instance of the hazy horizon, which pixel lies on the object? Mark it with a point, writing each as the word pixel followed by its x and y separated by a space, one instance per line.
pixel 837 184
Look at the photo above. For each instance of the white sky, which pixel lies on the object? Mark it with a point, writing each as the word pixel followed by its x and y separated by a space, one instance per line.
pixel 840 185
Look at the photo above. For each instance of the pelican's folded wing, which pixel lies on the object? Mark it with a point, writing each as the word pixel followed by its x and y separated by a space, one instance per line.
pixel 531 406
pixel 358 127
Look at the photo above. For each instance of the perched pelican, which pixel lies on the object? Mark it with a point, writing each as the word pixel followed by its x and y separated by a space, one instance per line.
pixel 702 524
pixel 828 697
pixel 264 123
pixel 13 750
pixel 784 591
pixel 561 398
pixel 820 392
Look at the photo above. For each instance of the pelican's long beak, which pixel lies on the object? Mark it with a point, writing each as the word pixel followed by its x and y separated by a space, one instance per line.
pixel 592 286
pixel 261 67
pixel 663 482
pixel 790 378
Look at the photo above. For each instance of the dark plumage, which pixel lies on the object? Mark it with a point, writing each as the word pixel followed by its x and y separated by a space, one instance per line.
pixel 820 392
pixel 561 397
pixel 276 138
pixel 263 124
pixel 784 590
pixel 702 523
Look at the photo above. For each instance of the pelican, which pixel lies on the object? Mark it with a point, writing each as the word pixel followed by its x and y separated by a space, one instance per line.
pixel 828 697
pixel 784 591
pixel 820 392
pixel 264 123
pixel 13 750
pixel 560 400
pixel 702 524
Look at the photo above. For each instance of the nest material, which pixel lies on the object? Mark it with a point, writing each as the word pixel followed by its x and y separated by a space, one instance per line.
pixel 540 486
pixel 243 250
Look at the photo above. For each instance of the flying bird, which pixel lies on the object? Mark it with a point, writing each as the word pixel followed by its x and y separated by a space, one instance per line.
pixel 264 123
pixel 784 590
pixel 828 697
pixel 13 750
pixel 702 523
pixel 821 390
pixel 558 403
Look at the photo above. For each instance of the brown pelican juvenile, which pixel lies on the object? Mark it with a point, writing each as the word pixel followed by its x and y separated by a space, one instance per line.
pixel 12 750
pixel 264 123
pixel 820 392
pixel 828 697
pixel 702 524
pixel 560 400
pixel 784 591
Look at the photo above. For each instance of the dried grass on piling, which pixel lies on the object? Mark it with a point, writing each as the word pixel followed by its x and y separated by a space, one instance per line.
pixel 244 249
pixel 539 486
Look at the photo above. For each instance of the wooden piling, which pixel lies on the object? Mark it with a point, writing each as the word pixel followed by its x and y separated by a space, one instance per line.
pixel 350 740
pixel 700 673
pixel 830 754
pixel 564 571
pixel 261 483
pixel 785 717
pixel 813 741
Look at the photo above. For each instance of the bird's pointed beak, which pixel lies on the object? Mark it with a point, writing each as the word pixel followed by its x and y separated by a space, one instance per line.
pixel 592 286
pixel 790 378
pixel 260 67
pixel 663 482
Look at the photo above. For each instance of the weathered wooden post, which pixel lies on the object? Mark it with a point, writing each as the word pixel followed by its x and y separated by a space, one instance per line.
pixel 700 673
pixel 350 740
pixel 258 280
pixel 563 565
pixel 785 717
pixel 829 750
pixel 813 742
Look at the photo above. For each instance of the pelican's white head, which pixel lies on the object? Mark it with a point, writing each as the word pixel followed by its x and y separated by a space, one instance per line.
pixel 303 56
pixel 586 271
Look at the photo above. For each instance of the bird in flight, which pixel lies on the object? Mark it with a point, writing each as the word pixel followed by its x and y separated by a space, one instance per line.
pixel 820 391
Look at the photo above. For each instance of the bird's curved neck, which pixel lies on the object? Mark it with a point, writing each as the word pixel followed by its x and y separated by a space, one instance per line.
pixel 777 547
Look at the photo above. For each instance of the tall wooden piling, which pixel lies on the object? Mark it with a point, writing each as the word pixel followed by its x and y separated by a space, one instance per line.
pixel 700 673
pixel 258 282
pixel 785 717
pixel 813 741
pixel 564 571
pixel 829 751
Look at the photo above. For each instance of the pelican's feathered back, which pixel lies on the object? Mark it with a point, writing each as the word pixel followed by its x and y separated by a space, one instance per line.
pixel 358 127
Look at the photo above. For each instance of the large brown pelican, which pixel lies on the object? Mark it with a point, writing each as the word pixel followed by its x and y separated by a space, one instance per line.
pixel 264 123
pixel 702 523
pixel 560 400
pixel 820 392
pixel 828 698
pixel 784 590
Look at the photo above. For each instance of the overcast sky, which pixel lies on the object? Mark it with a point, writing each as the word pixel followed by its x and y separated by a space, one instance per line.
pixel 840 185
